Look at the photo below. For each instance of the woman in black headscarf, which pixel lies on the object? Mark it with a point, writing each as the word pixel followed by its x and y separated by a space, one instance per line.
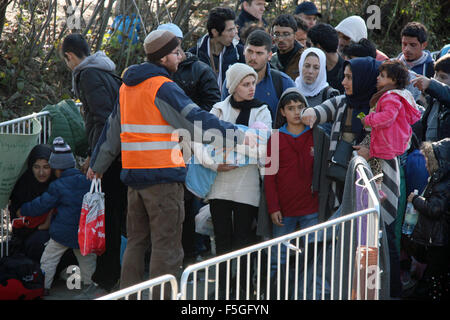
pixel 360 79
pixel 29 235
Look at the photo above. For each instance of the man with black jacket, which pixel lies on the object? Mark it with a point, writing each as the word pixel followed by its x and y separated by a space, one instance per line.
pixel 94 82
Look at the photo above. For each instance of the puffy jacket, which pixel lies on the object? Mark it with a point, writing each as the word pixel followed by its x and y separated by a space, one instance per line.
pixel 198 81
pixel 66 195
pixel 434 206
pixel 176 108
pixel 391 124
pixel 97 87
pixel 232 54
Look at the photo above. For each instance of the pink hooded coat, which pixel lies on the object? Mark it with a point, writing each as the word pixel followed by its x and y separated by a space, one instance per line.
pixel 391 124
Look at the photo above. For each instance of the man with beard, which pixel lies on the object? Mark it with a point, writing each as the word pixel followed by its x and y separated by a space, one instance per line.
pixel 288 49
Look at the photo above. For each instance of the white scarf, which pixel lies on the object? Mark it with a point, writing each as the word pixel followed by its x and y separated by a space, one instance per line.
pixel 311 90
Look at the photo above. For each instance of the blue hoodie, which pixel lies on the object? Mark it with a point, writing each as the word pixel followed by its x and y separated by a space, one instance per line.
pixel 176 108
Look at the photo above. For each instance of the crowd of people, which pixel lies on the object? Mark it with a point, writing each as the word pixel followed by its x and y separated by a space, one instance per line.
pixel 296 80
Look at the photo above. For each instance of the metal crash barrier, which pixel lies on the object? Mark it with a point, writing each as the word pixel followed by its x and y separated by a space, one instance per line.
pixel 334 260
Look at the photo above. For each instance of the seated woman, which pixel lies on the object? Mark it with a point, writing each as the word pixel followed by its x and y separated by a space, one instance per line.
pixel 30 235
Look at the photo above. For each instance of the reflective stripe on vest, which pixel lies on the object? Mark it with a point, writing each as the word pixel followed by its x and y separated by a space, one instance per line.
pixel 147 140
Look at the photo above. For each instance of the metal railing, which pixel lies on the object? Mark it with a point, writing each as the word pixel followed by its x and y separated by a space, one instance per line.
pixel 145 290
pixel 339 261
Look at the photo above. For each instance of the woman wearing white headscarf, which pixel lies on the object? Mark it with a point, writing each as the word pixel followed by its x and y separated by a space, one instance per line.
pixel 312 79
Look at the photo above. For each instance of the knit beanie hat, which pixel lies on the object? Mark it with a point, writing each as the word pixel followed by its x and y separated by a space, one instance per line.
pixel 236 73
pixel 61 157
pixel 159 43
pixel 172 27
pixel 353 27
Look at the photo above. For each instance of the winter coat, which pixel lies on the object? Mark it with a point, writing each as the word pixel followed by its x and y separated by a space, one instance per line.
pixel 67 123
pixel 66 195
pixel 437 112
pixel 176 108
pixel 230 55
pixel 433 207
pixel 242 184
pixel 391 124
pixel 97 87
pixel 291 69
pixel 198 81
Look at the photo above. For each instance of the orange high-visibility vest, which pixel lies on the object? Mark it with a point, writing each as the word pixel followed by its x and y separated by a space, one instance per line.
pixel 147 140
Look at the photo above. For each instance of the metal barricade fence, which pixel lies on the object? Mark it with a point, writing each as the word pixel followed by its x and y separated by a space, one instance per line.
pixel 144 290
pixel 334 263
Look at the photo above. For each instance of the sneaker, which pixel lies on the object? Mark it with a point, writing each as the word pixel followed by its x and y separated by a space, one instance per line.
pixel 92 292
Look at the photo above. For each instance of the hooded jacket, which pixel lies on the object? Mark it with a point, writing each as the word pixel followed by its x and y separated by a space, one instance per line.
pixel 290 189
pixel 391 124
pixel 96 85
pixel 434 206
pixel 198 81
pixel 423 66
pixel 66 195
pixel 176 108
pixel 231 54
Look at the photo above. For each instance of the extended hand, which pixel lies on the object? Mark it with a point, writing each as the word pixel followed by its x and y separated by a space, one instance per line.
pixel 363 152
pixel 225 167
pixel 410 197
pixel 251 139
pixel 421 82
pixel 309 117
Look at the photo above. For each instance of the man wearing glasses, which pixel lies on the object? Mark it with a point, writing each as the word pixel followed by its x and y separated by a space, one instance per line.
pixel 289 50
pixel 141 129
pixel 218 48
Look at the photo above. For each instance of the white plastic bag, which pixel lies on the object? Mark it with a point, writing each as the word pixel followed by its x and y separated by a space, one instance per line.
pixel 203 222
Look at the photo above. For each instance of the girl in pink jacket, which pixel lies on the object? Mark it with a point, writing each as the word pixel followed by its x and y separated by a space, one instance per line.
pixel 395 112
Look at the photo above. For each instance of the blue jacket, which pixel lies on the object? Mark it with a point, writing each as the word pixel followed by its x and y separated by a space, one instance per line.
pixel 232 54
pixel 66 195
pixel 176 108
pixel 266 92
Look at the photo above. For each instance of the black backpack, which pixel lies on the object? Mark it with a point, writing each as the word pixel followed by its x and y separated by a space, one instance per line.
pixel 20 278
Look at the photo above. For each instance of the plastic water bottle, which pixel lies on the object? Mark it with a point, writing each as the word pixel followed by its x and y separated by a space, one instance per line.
pixel 411 217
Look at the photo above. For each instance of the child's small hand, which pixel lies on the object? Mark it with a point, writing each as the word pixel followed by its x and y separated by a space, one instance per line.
pixel 421 82
pixel 277 218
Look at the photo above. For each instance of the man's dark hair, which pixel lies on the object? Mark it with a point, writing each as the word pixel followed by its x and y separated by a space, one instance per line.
pixel 285 20
pixel 396 71
pixel 443 64
pixel 76 44
pixel 415 30
pixel 301 24
pixel 259 38
pixel 217 18
pixel 364 48
pixel 324 35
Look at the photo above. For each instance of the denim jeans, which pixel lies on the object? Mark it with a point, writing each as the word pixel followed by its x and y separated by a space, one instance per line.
pixel 290 224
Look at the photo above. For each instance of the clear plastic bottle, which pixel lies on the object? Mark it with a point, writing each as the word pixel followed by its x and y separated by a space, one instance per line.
pixel 411 217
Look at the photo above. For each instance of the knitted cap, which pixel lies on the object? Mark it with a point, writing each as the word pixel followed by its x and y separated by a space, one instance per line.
pixel 159 43
pixel 61 157
pixel 353 27
pixel 236 73
pixel 172 27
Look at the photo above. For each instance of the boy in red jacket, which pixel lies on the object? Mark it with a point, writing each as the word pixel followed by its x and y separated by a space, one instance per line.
pixel 290 199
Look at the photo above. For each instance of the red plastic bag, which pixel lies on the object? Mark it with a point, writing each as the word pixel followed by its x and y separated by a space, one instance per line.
pixel 91 230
